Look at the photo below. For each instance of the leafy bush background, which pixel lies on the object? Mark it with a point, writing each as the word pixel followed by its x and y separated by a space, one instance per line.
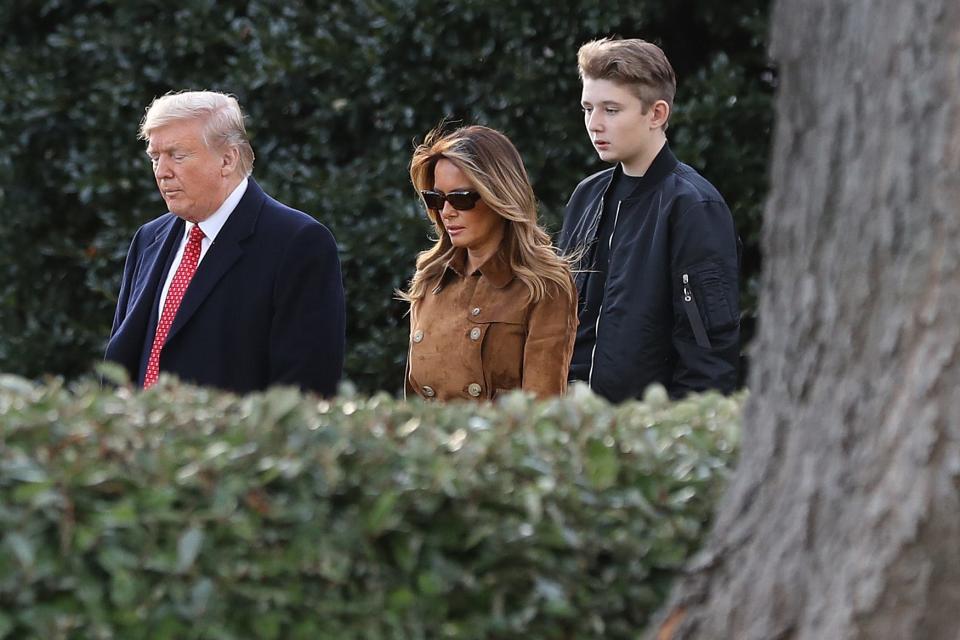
pixel 186 513
pixel 336 92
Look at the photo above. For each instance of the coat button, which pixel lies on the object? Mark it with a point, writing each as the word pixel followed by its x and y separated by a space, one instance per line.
pixel 475 312
pixel 474 389
pixel 475 333
pixel 417 335
pixel 428 392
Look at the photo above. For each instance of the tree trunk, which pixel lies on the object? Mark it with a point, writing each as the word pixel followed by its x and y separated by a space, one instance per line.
pixel 843 519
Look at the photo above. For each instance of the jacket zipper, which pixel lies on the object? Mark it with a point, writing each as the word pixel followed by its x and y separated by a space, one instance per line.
pixel 693 314
pixel 596 327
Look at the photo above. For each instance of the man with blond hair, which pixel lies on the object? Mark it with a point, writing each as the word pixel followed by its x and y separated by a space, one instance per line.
pixel 230 288
pixel 658 252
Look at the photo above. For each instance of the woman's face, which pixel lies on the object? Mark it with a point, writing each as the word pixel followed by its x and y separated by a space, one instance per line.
pixel 479 229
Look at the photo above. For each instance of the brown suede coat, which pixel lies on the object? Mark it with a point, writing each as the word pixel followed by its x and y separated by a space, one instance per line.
pixel 474 336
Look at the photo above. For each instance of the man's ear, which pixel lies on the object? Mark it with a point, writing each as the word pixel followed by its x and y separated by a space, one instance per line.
pixel 230 160
pixel 661 113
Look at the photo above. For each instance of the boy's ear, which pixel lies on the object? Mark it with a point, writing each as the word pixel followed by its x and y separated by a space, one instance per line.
pixel 661 113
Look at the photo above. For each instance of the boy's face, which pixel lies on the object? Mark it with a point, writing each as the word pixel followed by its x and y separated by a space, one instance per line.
pixel 618 127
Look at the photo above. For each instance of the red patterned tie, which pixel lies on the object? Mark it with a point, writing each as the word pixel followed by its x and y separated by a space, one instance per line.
pixel 178 286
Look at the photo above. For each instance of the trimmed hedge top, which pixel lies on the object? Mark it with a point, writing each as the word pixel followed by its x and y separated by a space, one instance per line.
pixel 186 513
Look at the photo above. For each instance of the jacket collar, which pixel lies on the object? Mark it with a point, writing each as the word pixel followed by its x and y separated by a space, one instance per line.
pixel 496 269
pixel 663 164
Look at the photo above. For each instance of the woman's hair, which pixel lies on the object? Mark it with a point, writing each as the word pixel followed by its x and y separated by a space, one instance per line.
pixel 494 167
pixel 221 115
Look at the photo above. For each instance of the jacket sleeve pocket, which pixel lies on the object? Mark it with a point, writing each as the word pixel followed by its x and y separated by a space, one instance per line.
pixel 714 297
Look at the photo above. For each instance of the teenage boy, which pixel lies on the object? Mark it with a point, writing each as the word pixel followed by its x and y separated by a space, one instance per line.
pixel 658 253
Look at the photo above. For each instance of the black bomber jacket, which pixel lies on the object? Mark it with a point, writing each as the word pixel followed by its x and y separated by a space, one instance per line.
pixel 670 309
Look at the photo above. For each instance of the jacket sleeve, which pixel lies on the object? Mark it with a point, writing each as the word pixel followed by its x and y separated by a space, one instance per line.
pixel 551 330
pixel 565 237
pixel 126 284
pixel 704 266
pixel 307 332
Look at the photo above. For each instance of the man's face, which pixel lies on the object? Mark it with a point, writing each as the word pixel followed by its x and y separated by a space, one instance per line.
pixel 191 177
pixel 617 125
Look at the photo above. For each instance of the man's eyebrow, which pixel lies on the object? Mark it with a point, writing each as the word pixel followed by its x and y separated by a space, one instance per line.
pixel 168 148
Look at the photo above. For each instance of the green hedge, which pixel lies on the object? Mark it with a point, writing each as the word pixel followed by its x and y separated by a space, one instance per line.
pixel 336 92
pixel 185 513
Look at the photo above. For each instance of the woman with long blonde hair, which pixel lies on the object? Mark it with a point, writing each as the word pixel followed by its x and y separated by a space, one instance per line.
pixel 492 305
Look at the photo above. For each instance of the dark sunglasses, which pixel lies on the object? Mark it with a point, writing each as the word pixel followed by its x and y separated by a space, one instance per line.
pixel 459 200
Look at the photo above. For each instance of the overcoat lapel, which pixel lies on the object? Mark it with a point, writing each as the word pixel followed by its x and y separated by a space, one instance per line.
pixel 225 251
pixel 155 259
pixel 134 330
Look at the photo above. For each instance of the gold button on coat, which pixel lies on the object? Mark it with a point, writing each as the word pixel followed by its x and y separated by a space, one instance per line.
pixel 429 392
pixel 417 335
pixel 475 333
pixel 474 389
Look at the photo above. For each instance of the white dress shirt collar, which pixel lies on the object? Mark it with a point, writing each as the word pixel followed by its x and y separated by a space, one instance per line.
pixel 212 225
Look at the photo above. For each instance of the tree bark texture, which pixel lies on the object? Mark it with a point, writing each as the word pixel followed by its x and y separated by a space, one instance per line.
pixel 843 518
